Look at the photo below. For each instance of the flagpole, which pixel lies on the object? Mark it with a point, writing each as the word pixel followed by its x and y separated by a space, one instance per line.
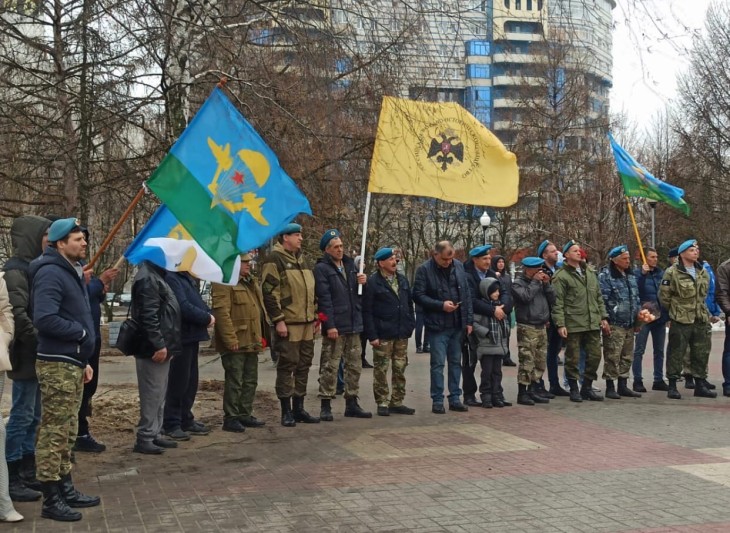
pixel 364 237
pixel 116 228
pixel 636 230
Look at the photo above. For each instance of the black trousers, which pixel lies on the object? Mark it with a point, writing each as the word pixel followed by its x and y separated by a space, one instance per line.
pixel 491 378
pixel 89 390
pixel 182 387
pixel 468 368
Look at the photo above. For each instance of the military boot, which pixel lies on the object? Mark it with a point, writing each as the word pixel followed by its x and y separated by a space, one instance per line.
pixel 672 392
pixel 300 415
pixel 689 381
pixel 587 392
pixel 539 388
pixel 54 506
pixel 639 385
pixel 325 411
pixel 27 472
pixel 574 392
pixel 354 410
pixel 702 390
pixel 287 418
pixel 534 395
pixel 523 397
pixel 18 491
pixel 611 391
pixel 624 390
pixel 73 497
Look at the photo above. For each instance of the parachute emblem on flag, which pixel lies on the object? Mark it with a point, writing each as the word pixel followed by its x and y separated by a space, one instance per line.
pixel 238 179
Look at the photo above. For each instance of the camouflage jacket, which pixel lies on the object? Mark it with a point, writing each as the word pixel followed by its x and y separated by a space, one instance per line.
pixel 684 295
pixel 288 288
pixel 620 294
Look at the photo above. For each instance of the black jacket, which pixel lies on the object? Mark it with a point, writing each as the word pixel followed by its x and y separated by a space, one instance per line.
pixel 195 315
pixel 337 298
pixel 428 293
pixel 472 277
pixel 533 300
pixel 61 310
pixel 387 315
pixel 26 235
pixel 505 285
pixel 155 308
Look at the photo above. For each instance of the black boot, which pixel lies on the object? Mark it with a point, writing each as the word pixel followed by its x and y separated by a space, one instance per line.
pixel 471 401
pixel 702 390
pixel 300 415
pixel 507 361
pixel 523 397
pixel 18 491
pixel 574 392
pixel 531 390
pixel 639 385
pixel 54 506
pixel 353 410
pixel 611 391
pixel 73 497
pixel 587 393
pixel 689 381
pixel 540 389
pixel 624 390
pixel 287 418
pixel 325 412
pixel 557 390
pixel 672 392
pixel 27 472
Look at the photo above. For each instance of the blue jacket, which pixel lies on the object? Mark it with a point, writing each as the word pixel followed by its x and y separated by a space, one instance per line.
pixel 428 292
pixel 61 311
pixel 195 315
pixel 387 315
pixel 712 305
pixel 621 296
pixel 649 289
pixel 337 298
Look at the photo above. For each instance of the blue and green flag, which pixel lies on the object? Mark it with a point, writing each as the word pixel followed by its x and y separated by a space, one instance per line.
pixel 638 181
pixel 225 186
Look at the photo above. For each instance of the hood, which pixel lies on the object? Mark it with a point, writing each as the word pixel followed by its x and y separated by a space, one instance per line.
pixel 484 286
pixel 26 234
pixel 496 258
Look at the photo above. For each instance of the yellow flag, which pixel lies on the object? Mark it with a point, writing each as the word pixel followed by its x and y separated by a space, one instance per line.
pixel 440 150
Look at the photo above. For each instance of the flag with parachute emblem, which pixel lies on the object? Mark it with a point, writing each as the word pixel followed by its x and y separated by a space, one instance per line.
pixel 440 150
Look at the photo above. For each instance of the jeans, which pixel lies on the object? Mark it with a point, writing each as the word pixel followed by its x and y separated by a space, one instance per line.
pixel 445 349
pixel 658 334
pixel 25 415
pixel 726 359
pixel 341 375
pixel 421 333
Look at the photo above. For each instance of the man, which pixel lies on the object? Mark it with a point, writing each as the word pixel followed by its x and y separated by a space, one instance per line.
pixel 97 288
pixel 238 312
pixel 533 297
pixel 683 292
pixel 336 286
pixel 548 252
pixel 62 316
pixel 29 236
pixel 722 296
pixel 621 297
pixel 156 310
pixel 442 289
pixel 182 384
pixel 288 291
pixel 476 268
pixel 649 279
pixel 388 319
pixel 580 316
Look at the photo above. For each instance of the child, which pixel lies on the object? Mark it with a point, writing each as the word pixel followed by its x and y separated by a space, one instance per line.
pixel 492 344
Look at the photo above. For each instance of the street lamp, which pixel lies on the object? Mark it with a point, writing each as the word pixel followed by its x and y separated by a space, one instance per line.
pixel 484 220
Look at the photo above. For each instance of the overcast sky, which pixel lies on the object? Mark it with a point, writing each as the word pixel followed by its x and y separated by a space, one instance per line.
pixel 651 45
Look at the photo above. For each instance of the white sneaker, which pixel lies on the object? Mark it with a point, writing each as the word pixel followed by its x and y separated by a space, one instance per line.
pixel 12 516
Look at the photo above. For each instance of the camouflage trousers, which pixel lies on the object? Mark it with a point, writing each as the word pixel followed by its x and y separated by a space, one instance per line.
pixel 394 351
pixel 590 341
pixel 346 347
pixel 618 353
pixel 62 385
pixel 292 367
pixel 532 353
pixel 693 337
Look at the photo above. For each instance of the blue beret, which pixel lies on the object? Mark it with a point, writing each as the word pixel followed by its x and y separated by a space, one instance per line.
pixel 685 245
pixel 327 237
pixel 533 262
pixel 541 247
pixel 291 228
pixel 674 252
pixel 383 254
pixel 618 250
pixel 62 227
pixel 480 250
pixel 569 245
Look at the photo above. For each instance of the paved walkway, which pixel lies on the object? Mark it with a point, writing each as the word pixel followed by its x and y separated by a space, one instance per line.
pixel 649 465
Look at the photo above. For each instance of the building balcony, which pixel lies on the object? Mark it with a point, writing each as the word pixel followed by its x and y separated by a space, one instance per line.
pixel 516 58
pixel 517 81
pixel 478 60
pixel 507 103
pixel 523 37
pixel 478 82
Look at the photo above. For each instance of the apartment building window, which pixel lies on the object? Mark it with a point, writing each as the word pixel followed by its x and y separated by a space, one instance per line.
pixel 529 5
pixel 518 4
pixel 477 48
pixel 539 8
pixel 506 4
pixel 339 16
pixel 478 71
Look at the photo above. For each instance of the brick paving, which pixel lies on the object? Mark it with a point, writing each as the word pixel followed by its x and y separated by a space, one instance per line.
pixel 649 465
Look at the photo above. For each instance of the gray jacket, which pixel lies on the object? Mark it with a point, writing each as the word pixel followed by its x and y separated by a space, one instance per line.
pixel 533 300
pixel 492 334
